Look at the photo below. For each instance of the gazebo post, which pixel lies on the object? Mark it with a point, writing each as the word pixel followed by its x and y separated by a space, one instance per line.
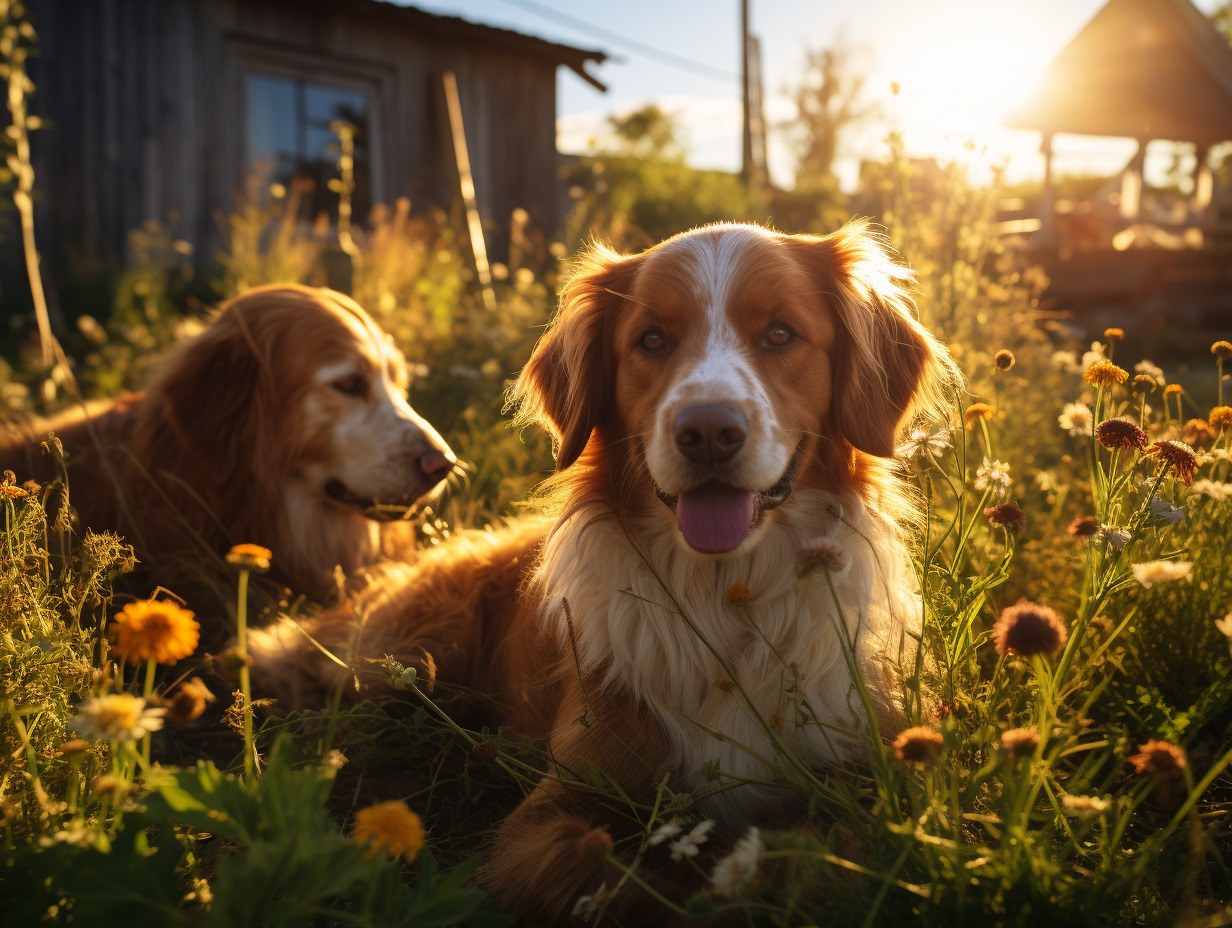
pixel 1047 232
pixel 1131 184
pixel 1204 184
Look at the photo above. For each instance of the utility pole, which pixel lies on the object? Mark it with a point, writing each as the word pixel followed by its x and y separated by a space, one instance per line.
pixel 753 159
pixel 746 161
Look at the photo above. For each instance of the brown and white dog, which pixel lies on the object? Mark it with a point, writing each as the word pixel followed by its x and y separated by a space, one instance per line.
pixel 285 424
pixel 728 536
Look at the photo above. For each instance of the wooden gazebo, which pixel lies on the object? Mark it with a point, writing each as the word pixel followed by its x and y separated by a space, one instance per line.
pixel 1140 69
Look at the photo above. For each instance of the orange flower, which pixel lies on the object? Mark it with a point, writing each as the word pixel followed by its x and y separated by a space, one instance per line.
pixel 1177 455
pixel 1173 389
pixel 919 745
pixel 1019 742
pixel 1222 350
pixel 1161 757
pixel 390 827
pixel 1007 515
pixel 1113 334
pixel 1105 374
pixel 977 411
pixel 1120 433
pixel 250 557
pixel 1221 418
pixel 152 629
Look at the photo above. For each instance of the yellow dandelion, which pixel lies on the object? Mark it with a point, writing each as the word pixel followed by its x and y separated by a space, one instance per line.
pixel 977 412
pixel 390 827
pixel 739 595
pixel 1222 350
pixel 1220 418
pixel 154 630
pixel 250 557
pixel 1105 374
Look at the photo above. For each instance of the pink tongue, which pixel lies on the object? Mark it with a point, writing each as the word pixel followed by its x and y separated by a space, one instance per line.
pixel 714 518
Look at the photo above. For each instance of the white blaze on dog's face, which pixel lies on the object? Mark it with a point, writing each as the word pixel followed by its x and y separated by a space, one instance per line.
pixel 367 447
pixel 724 369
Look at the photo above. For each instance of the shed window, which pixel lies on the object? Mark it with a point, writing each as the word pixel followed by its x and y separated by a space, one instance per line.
pixel 290 141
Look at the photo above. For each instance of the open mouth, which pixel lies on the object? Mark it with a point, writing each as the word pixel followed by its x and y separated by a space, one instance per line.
pixel 715 518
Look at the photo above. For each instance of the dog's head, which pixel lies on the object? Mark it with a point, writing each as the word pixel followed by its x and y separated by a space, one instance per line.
pixel 730 365
pixel 296 387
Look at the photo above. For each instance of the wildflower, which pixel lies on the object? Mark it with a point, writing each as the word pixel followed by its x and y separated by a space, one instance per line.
pixel 596 844
pixel 924 443
pixel 74 746
pixel 1154 371
pixel 1008 516
pixel 1019 742
pixel 822 554
pixel 688 845
pixel 10 491
pixel 1114 537
pixel 1028 629
pixel 1121 434
pixel 994 477
pixel 1113 334
pixel 390 827
pixel 1197 433
pixel 1225 626
pixel 1003 360
pixel 1084 527
pixel 485 751
pixel 1220 418
pixel 1142 384
pixel 1160 757
pixel 1152 572
pixel 336 759
pixel 1173 389
pixel 918 745
pixel 250 557
pixel 1164 513
pixel 154 630
pixel 189 701
pixel 1177 455
pixel 1222 350
pixel 739 595
pixel 1216 491
pixel 1105 374
pixel 118 717
pixel 668 830
pixel 977 412
pixel 1094 356
pixel 1082 806
pixel 1076 418
pixel 739 867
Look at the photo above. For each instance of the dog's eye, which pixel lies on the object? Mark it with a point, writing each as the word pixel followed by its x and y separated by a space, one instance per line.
pixel 354 385
pixel 652 342
pixel 779 335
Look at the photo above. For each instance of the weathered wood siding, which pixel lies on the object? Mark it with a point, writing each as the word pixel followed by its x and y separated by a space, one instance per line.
pixel 145 98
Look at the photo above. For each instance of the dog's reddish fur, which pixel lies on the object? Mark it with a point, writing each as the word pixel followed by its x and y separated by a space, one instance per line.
pixel 204 457
pixel 475 603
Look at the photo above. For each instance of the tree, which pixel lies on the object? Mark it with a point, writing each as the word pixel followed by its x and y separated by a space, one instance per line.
pixel 649 132
pixel 829 102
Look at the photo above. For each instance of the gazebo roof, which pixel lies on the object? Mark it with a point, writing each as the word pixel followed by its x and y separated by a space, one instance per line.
pixel 1140 69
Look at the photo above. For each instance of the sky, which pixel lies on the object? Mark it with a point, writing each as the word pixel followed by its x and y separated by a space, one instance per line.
pixel 959 64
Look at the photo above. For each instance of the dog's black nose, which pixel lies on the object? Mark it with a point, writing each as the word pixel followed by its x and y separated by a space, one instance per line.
pixel 711 433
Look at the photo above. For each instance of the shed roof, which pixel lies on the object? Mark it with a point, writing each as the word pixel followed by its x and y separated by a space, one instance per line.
pixel 455 27
pixel 1140 69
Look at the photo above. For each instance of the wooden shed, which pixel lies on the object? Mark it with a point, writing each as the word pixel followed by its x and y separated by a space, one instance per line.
pixel 161 110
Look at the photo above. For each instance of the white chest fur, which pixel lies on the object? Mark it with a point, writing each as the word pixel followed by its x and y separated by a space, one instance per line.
pixel 726 679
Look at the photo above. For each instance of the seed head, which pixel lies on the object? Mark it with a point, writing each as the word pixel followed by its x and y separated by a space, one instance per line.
pixel 485 751
pixel 1007 515
pixel 1142 384
pixel 1105 374
pixel 1177 455
pixel 1084 527
pixel 1160 757
pixel 1028 629
pixel 1120 433
pixel 919 745
pixel 1003 360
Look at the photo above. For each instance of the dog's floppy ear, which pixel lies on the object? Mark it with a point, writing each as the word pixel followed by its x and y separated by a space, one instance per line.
pixel 566 385
pixel 885 363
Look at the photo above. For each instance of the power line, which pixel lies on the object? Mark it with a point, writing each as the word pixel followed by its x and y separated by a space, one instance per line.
pixel 641 48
